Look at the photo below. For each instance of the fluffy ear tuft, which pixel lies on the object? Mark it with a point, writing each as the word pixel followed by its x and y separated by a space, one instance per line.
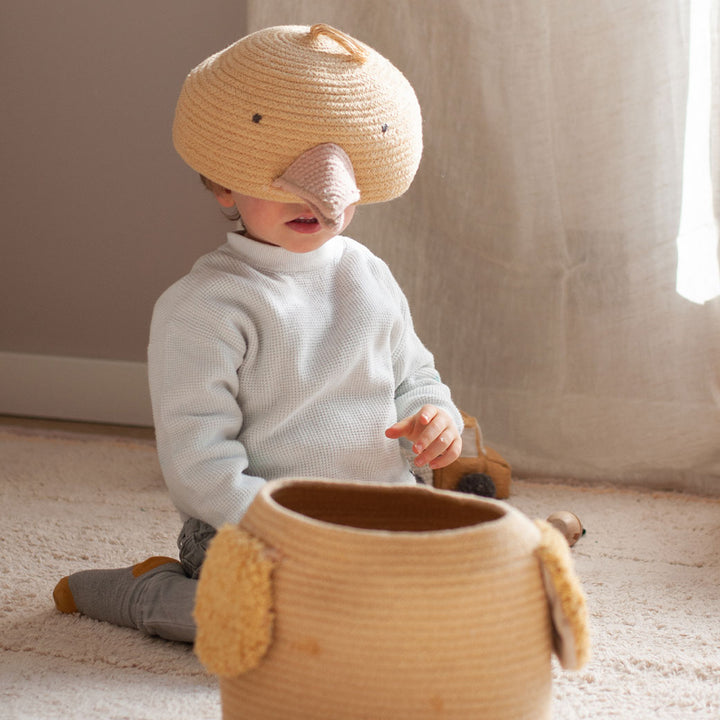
pixel 568 609
pixel 233 605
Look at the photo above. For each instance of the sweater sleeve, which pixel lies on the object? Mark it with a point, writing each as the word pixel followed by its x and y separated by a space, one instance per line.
pixel 417 381
pixel 193 386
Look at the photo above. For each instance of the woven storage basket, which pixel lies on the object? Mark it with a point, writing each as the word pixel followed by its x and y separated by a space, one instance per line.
pixel 396 603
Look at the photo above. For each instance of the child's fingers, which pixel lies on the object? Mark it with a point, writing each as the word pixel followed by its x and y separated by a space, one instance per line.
pixel 411 427
pixel 444 449
pixel 435 439
pixel 402 428
pixel 430 426
pixel 439 442
pixel 449 456
pixel 427 414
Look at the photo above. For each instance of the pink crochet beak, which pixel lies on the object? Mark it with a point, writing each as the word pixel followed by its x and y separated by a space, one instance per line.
pixel 324 178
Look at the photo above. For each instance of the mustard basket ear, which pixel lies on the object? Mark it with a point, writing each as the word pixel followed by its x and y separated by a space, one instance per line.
pixel 233 603
pixel 566 600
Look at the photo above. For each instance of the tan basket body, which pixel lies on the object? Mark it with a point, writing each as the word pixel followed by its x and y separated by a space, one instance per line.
pixel 397 603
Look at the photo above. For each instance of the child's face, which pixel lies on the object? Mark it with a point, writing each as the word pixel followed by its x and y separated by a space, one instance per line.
pixel 291 226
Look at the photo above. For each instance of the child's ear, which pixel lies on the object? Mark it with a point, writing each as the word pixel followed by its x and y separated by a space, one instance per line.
pixel 224 197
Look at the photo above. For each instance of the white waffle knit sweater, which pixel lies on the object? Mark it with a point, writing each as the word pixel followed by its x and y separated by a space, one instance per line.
pixel 265 363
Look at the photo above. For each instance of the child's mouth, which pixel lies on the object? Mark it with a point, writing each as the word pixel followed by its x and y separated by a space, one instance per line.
pixel 304 224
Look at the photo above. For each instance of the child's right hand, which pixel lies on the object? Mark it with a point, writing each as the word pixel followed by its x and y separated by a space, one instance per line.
pixel 436 441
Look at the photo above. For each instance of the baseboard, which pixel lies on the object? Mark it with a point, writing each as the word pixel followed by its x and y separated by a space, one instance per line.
pixel 104 391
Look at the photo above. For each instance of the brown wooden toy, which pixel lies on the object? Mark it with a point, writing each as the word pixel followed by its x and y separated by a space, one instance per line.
pixel 477 460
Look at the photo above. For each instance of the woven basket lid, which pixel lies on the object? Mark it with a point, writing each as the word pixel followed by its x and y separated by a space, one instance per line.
pixel 397 603
pixel 246 113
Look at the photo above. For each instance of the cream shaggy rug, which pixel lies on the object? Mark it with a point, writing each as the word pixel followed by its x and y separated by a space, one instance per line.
pixel 649 563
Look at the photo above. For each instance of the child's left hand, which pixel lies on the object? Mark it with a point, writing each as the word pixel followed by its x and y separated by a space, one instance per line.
pixel 436 441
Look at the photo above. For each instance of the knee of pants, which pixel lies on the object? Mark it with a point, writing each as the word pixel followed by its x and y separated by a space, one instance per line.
pixel 193 542
pixel 164 607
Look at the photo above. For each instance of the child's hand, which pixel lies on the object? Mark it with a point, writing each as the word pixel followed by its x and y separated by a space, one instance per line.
pixel 436 441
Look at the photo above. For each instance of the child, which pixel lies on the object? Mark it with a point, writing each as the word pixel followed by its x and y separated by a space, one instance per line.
pixel 290 350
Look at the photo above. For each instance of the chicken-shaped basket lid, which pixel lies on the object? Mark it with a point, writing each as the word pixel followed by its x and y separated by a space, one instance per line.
pixel 247 115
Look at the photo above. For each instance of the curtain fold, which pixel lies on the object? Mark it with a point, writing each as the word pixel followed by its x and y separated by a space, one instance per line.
pixel 537 245
pixel 698 276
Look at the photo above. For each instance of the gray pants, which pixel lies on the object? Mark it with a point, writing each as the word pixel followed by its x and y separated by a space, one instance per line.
pixel 193 542
pixel 158 601
pixel 164 604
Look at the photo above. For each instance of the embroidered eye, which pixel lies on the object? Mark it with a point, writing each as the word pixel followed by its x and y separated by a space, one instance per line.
pixel 384 128
pixel 256 118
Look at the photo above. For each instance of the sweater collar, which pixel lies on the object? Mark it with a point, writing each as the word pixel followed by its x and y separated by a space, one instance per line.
pixel 270 257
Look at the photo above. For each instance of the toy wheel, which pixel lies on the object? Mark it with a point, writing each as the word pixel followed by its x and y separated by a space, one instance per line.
pixel 477 484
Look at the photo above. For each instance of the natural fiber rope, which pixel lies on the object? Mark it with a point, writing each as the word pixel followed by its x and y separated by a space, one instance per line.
pixel 246 113
pixel 444 618
pixel 355 49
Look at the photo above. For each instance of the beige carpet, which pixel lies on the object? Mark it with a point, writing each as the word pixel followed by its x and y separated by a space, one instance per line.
pixel 650 564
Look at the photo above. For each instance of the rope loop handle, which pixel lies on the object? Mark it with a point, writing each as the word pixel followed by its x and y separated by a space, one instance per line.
pixel 356 50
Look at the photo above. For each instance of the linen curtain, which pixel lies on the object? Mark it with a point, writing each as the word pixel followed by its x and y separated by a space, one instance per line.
pixel 537 245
